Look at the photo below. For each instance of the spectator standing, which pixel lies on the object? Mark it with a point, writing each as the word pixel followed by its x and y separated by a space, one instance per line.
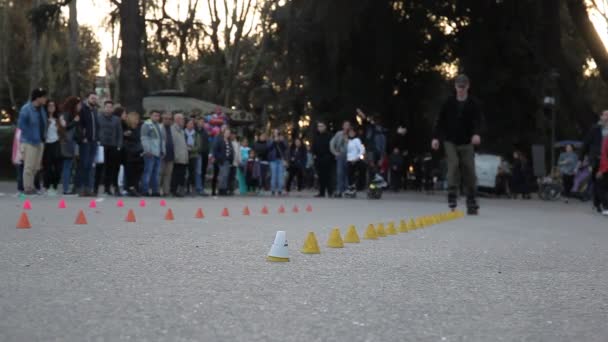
pixel 51 160
pixel 223 155
pixel 355 152
pixel 592 149
pixel 154 150
pixel 252 172
pixel 459 125
pixel 166 163
pixel 602 177
pixel 193 144
pixel 110 137
pixel 297 164
pixel 323 159
pixel 567 167
pixel 32 124
pixel 338 147
pixel 261 147
pixel 236 160
pixel 240 171
pixel 204 160
pixel 134 153
pixel 69 133
pixel 277 157
pixel 87 146
pixel 180 162
pixel 519 176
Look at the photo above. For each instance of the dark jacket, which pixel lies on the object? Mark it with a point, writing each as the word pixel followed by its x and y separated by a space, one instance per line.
pixel 320 147
pixel 222 152
pixel 68 136
pixel 205 145
pixel 457 124
pixel 132 143
pixel 277 150
pixel 261 150
pixel 592 146
pixel 110 130
pixel 89 123
pixel 297 156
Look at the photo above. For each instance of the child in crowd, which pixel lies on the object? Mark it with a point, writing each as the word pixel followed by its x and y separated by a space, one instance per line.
pixel 252 172
pixel 241 170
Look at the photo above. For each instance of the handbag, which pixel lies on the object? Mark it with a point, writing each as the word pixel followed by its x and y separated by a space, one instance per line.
pixel 99 156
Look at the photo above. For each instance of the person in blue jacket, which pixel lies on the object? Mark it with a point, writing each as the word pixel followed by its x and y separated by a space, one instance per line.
pixel 33 125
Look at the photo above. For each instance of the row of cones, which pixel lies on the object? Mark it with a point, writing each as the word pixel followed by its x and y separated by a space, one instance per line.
pixel 279 251
pixel 24 222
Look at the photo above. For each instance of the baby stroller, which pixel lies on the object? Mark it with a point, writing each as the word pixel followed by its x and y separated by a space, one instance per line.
pixel 581 188
pixel 376 186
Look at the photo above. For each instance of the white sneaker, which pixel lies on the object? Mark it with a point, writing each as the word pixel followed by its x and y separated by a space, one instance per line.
pixel 605 212
pixel 51 193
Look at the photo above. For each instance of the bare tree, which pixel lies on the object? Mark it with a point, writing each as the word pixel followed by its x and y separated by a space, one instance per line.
pixel 4 53
pixel 229 31
pixel 132 31
pixel 73 48
pixel 580 17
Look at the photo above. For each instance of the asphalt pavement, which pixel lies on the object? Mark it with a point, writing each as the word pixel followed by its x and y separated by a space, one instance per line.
pixel 521 271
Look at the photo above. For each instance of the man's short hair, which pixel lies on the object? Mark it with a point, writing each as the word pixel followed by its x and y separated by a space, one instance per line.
pixel 92 92
pixel 107 102
pixel 38 93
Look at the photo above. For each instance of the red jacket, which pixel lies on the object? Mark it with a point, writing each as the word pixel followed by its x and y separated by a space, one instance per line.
pixel 604 157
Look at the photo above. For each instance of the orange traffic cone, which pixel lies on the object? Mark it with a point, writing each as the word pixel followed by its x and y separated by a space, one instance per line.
pixel 246 211
pixel 199 214
pixel 309 208
pixel 265 210
pixel 295 209
pixel 163 203
pixel 24 221
pixel 61 204
pixel 142 203
pixel 120 203
pixel 27 205
pixel 130 216
pixel 225 212
pixel 169 215
pixel 281 209
pixel 92 204
pixel 81 219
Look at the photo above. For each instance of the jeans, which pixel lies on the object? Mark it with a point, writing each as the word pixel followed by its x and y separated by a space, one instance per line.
pixel 194 178
pixel 151 175
pixel 87 157
pixel 66 174
pixel 277 175
pixel 341 174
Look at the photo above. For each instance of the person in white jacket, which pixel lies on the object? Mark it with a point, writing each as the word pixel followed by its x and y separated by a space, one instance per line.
pixel 355 153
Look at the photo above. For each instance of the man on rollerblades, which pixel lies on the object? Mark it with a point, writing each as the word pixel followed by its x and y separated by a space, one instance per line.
pixel 458 125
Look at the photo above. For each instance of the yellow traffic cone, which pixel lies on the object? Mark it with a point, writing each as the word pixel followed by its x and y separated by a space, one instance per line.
pixel 380 230
pixel 390 229
pixel 335 239
pixel 351 235
pixel 412 225
pixel 311 246
pixel 402 226
pixel 370 233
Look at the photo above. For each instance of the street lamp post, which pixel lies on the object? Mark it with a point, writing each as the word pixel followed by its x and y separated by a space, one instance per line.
pixel 549 102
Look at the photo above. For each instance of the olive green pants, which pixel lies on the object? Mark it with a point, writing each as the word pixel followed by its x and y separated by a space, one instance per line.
pixel 461 166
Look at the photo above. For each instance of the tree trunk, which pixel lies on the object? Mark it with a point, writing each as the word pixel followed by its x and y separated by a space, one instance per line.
pixel 36 68
pixel 73 49
pixel 4 53
pixel 131 34
pixel 580 17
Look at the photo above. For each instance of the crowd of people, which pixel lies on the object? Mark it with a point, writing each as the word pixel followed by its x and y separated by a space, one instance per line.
pixel 85 146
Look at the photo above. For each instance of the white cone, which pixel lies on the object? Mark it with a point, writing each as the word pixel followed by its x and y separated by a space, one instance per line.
pixel 279 250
